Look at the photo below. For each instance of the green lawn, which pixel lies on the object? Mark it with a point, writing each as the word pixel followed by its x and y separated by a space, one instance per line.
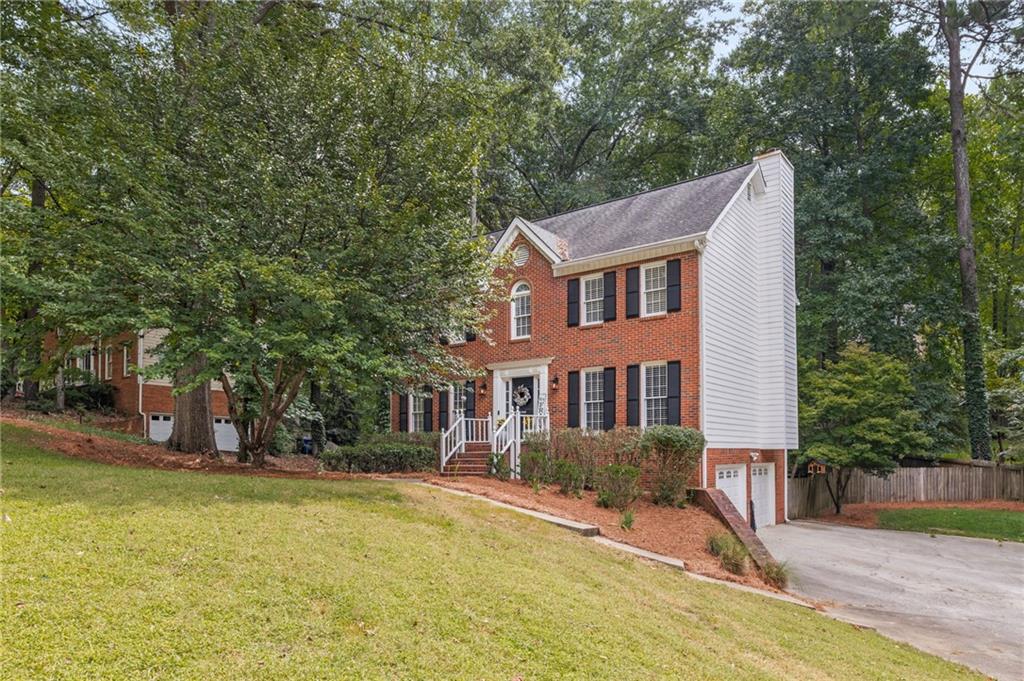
pixel 121 573
pixel 967 522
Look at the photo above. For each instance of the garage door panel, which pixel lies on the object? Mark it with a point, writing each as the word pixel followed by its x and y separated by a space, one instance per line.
pixel 762 491
pixel 160 426
pixel 732 480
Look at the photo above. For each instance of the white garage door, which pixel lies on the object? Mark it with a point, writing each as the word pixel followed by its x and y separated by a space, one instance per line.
pixel 762 490
pixel 160 427
pixel 227 436
pixel 733 481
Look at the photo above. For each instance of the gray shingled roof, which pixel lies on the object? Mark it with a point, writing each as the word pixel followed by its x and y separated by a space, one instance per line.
pixel 681 209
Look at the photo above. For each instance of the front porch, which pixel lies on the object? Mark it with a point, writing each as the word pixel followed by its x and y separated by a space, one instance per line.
pixel 467 446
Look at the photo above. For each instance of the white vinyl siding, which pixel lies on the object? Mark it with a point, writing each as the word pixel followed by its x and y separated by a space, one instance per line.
pixel 522 311
pixel 593 399
pixel 655 394
pixel 748 319
pixel 653 281
pixel 593 300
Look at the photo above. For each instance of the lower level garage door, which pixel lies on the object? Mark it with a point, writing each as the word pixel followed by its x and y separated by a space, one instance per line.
pixel 160 426
pixel 227 436
pixel 732 480
pixel 762 491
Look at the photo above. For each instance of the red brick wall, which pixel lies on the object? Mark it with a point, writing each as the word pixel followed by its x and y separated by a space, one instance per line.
pixel 619 343
pixel 738 456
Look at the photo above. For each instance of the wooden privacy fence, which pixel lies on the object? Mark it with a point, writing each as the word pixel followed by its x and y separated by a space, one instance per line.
pixel 954 481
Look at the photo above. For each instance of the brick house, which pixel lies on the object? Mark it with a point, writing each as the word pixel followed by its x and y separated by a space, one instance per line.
pixel 672 306
pixel 149 402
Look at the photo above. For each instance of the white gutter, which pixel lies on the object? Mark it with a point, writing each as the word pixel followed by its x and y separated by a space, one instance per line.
pixel 596 260
pixel 138 382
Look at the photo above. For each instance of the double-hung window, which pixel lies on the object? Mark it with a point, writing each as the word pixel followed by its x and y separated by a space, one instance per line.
pixel 593 399
pixel 418 412
pixel 126 367
pixel 654 296
pixel 108 363
pixel 458 400
pixel 655 391
pixel 593 300
pixel 522 311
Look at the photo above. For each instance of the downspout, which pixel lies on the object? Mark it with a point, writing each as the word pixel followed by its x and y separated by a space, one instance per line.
pixel 138 382
pixel 785 486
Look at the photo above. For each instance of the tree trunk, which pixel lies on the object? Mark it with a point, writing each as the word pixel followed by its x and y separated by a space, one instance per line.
pixel 974 367
pixel 30 386
pixel 193 413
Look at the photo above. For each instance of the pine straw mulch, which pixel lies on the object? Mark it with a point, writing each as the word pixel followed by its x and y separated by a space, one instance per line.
pixel 866 515
pixel 677 532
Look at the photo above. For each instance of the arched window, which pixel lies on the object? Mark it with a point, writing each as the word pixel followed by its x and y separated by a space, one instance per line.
pixel 522 310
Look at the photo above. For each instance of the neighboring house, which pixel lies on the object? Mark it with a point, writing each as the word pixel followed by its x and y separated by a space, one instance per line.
pixel 672 306
pixel 114 360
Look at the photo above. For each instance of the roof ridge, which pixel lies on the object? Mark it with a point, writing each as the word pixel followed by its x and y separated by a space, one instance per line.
pixel 645 191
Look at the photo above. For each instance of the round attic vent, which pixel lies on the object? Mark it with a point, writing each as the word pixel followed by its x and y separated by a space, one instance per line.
pixel 521 255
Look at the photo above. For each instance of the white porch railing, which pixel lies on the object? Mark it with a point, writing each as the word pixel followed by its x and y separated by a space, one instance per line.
pixel 505 437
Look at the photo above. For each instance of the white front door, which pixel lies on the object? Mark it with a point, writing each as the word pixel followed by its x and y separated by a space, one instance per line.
pixel 732 480
pixel 160 427
pixel 762 491
pixel 226 435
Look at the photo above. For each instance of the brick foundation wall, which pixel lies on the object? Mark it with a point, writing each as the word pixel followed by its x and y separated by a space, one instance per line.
pixel 742 456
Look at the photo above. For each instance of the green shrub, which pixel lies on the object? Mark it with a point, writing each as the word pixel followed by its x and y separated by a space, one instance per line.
pixel 42 406
pixel 499 467
pixel 589 449
pixel 568 476
pixel 432 440
pixel 776 574
pixel 626 522
pixel 380 457
pixel 533 467
pixel 618 486
pixel 676 453
pixel 730 551
pixel 283 441
pixel 88 396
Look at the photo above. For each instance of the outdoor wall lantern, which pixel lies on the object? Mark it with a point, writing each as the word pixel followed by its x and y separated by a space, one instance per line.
pixel 554 382
pixel 754 456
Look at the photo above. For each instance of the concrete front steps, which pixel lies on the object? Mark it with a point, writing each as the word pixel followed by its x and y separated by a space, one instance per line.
pixel 475 461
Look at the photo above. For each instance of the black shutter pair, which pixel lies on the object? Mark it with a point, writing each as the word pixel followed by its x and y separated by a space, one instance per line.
pixel 608 407
pixel 633 394
pixel 573 300
pixel 672 289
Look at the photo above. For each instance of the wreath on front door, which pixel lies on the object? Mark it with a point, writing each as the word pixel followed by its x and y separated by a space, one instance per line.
pixel 521 396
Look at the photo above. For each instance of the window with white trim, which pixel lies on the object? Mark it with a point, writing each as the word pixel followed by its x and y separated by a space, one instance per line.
pixel 126 367
pixel 655 391
pixel 108 363
pixel 593 399
pixel 522 310
pixel 418 413
pixel 654 280
pixel 458 400
pixel 593 300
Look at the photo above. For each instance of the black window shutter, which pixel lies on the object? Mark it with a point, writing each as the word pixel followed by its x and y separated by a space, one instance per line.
pixel 608 420
pixel 403 413
pixel 673 393
pixel 574 399
pixel 442 410
pixel 633 292
pixel 609 296
pixel 672 287
pixel 573 303
pixel 428 410
pixel 633 395
pixel 470 335
pixel 470 410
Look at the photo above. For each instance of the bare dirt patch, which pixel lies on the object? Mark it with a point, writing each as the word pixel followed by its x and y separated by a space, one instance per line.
pixel 677 532
pixel 866 515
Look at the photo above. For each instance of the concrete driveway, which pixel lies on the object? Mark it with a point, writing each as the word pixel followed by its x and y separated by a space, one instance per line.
pixel 959 598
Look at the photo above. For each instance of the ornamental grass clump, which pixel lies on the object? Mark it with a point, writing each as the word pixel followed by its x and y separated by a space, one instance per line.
pixel 730 551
